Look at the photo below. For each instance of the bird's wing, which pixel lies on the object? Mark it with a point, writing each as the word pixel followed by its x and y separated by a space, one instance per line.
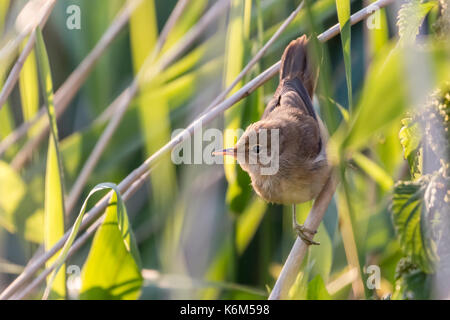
pixel 292 93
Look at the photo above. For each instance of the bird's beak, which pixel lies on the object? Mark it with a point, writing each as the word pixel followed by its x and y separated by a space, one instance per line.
pixel 226 152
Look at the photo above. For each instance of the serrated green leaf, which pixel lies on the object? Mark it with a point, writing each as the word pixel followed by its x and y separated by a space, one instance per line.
pixel 415 285
pixel 409 136
pixel 410 18
pixel 410 139
pixel 409 220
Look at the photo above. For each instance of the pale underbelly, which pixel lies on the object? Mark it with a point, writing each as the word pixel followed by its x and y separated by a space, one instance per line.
pixel 289 191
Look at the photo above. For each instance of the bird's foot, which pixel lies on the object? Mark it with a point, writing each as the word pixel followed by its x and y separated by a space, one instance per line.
pixel 305 234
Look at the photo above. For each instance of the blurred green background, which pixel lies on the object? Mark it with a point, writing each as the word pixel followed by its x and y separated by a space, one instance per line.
pixel 201 232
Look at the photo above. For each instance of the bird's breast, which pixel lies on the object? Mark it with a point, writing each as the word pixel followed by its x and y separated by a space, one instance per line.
pixel 292 188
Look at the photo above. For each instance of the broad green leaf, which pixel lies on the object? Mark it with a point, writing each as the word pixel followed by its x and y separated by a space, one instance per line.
pixel 185 64
pixel 234 61
pixel 343 10
pixel 45 78
pixel 410 222
pixel 246 226
pixel 127 236
pixel 4 5
pixel 238 193
pixel 17 215
pixel 114 163
pixel 12 190
pixel 29 87
pixel 344 112
pixel 143 32
pixel 377 31
pixel 410 18
pixel 317 289
pixel 379 106
pixel 154 122
pixel 321 257
pixel 218 269
pixel 410 139
pixel 248 223
pixel 388 151
pixel 373 170
pixel 411 283
pixel 54 214
pixel 153 110
pixel 156 279
pixel 111 270
pixel 100 84
pixel 6 118
pixel 54 188
pixel 107 75
pixel 414 286
pixel 7 126
pixel 299 289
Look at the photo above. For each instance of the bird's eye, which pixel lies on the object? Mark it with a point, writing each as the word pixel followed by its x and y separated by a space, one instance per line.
pixel 256 148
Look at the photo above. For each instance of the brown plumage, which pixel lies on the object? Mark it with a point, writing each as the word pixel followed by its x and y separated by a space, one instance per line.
pixel 303 169
pixel 302 164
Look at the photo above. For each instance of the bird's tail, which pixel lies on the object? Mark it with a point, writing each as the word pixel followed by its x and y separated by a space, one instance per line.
pixel 295 64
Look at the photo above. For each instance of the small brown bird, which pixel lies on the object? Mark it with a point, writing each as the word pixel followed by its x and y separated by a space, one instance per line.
pixel 302 164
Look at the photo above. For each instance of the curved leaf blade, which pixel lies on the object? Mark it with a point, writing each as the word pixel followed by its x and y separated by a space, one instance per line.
pixel 112 269
pixel 123 224
pixel 54 187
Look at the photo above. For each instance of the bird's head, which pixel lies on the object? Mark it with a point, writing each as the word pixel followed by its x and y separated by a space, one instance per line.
pixel 258 149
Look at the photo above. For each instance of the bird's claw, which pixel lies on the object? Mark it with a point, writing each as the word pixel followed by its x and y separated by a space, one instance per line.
pixel 302 231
